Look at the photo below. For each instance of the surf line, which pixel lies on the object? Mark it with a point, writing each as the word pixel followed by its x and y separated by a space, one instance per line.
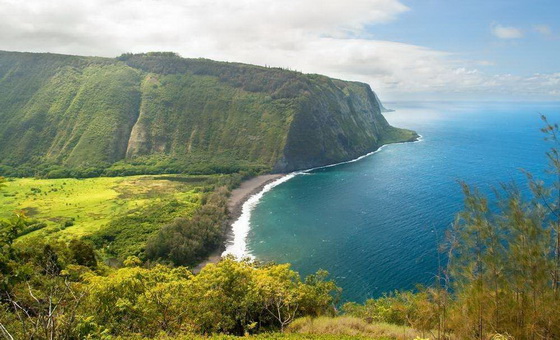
pixel 242 226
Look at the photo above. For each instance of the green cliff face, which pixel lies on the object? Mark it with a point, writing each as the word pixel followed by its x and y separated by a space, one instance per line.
pixel 337 121
pixel 92 112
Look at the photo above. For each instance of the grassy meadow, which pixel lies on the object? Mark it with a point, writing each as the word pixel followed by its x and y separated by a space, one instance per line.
pixel 71 208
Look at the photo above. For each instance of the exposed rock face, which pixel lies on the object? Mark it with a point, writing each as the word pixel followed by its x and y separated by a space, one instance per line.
pixel 78 111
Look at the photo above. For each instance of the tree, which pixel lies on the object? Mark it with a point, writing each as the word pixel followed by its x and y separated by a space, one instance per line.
pixel 503 266
pixel 188 241
pixel 504 258
pixel 38 292
pixel 549 196
pixel 246 297
pixel 279 288
pixel 83 253
pixel 139 300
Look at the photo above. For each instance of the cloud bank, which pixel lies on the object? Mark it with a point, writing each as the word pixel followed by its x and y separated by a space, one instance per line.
pixel 330 37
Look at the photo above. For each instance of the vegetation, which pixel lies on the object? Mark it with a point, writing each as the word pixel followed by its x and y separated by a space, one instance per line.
pixel 57 290
pixel 501 281
pixel 119 215
pixel 107 257
pixel 190 241
pixel 267 336
pixel 72 207
pixel 351 326
pixel 505 260
pixel 157 113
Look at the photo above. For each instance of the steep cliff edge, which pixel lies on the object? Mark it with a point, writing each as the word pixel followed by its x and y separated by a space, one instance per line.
pixel 337 122
pixel 158 112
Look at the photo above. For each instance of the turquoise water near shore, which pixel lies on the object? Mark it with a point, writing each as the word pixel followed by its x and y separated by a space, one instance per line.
pixel 375 224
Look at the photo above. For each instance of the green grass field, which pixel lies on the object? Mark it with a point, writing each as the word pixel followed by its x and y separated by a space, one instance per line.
pixel 80 207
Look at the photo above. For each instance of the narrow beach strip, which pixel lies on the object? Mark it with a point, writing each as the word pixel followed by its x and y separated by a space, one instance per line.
pixel 237 244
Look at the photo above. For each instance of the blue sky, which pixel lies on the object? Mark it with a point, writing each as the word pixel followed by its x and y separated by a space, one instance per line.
pixel 465 28
pixel 405 49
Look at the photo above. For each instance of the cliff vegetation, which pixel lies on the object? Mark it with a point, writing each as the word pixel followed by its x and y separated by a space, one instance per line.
pixel 68 116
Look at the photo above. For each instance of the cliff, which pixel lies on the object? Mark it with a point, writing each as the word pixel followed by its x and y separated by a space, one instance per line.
pixel 168 112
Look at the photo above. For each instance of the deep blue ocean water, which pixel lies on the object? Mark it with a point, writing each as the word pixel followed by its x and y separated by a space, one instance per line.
pixel 375 224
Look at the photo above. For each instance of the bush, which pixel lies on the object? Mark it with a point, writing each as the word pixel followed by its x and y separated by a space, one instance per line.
pixel 83 253
pixel 188 241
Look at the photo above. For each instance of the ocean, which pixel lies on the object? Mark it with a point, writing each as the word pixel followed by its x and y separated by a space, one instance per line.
pixel 375 224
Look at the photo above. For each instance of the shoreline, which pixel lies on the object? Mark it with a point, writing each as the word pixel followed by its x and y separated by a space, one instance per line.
pixel 256 187
pixel 248 188
pixel 238 197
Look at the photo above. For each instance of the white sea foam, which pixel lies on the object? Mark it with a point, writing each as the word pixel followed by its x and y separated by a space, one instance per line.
pixel 241 227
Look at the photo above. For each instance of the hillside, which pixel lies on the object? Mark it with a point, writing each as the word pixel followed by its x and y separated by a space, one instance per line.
pixel 159 113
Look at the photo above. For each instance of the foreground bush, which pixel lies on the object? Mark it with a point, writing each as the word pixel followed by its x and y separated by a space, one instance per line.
pixel 48 293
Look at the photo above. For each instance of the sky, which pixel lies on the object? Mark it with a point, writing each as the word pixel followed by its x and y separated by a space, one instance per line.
pixel 487 50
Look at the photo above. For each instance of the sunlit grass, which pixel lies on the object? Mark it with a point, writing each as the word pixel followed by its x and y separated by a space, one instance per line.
pixel 351 326
pixel 79 207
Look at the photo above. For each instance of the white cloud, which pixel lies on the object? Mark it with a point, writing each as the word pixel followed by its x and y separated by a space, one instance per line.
pixel 506 32
pixel 329 37
pixel 106 26
pixel 543 29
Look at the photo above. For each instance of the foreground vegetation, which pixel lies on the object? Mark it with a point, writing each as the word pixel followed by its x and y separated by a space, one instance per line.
pixel 503 275
pixel 58 290
pixel 57 287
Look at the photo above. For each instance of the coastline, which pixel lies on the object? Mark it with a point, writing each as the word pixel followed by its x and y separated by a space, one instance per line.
pixel 247 189
pixel 239 196
pixel 253 189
